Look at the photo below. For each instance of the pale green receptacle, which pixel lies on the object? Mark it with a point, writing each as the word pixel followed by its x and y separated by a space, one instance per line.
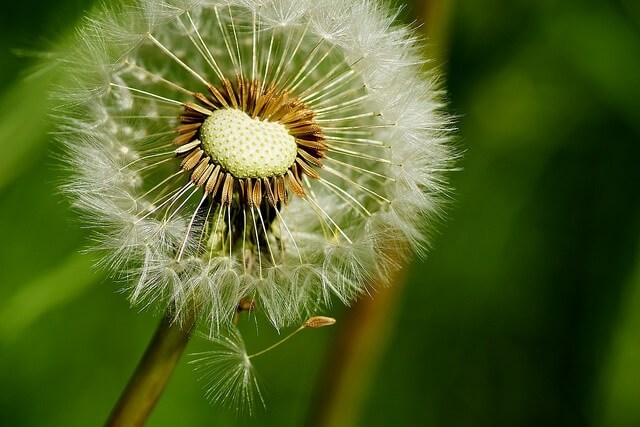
pixel 247 147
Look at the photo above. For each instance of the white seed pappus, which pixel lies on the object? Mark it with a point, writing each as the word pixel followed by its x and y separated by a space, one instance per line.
pixel 356 174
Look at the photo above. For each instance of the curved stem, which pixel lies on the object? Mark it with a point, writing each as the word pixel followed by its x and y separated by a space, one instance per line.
pixel 153 372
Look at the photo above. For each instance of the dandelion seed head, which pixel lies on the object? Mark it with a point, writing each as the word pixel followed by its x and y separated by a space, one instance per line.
pixel 278 150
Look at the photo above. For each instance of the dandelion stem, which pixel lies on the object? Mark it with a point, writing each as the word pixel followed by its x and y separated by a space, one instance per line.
pixel 153 372
pixel 271 347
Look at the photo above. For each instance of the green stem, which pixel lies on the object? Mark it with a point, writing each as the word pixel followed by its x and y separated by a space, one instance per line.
pixel 153 372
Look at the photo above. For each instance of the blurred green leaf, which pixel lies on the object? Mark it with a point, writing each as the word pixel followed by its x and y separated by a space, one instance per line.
pixel 23 125
pixel 46 293
pixel 602 47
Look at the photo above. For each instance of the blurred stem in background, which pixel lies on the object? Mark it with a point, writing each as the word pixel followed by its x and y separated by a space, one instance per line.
pixel 435 18
pixel 616 396
pixel 365 332
pixel 353 360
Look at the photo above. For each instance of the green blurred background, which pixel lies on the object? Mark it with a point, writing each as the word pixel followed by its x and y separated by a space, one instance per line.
pixel 526 312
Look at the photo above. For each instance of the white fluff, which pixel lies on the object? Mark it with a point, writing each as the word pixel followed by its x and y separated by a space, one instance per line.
pixel 380 112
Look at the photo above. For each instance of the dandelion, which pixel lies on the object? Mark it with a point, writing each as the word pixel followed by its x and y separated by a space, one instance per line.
pixel 275 149
pixel 278 151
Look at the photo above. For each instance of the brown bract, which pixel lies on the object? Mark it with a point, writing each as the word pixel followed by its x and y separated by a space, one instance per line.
pixel 259 102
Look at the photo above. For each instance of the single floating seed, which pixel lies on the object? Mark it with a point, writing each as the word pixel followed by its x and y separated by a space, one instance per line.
pixel 319 322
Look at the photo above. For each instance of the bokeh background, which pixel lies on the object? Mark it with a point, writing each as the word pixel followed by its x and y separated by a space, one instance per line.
pixel 526 312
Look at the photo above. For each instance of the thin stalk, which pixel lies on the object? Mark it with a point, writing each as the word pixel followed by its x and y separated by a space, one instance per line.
pixel 153 372
pixel 278 343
